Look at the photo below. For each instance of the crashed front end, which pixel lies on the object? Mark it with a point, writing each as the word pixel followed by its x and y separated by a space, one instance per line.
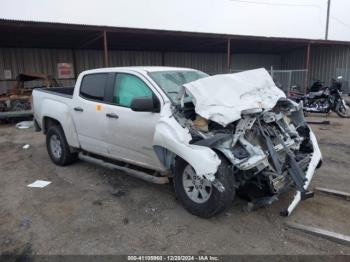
pixel 247 119
pixel 272 151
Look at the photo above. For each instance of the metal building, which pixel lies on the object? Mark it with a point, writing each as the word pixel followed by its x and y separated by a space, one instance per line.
pixel 41 47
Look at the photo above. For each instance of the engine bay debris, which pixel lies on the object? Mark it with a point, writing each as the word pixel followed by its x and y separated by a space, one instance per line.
pixel 249 121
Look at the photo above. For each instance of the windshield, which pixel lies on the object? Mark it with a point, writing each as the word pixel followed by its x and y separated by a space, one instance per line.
pixel 171 81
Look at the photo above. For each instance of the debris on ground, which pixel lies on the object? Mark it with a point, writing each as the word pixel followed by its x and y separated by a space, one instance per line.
pixel 118 193
pixel 25 125
pixel 149 210
pixel 61 216
pixel 333 192
pixel 97 203
pixel 39 184
pixel 332 236
pixel 25 223
pixel 26 146
pixel 326 122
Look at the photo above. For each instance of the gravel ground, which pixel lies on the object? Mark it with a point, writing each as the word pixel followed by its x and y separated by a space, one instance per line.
pixel 91 210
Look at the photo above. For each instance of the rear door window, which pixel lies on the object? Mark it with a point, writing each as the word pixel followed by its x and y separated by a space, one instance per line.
pixel 93 86
pixel 127 87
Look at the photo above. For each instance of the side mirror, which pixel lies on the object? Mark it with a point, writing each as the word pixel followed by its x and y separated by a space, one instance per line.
pixel 145 104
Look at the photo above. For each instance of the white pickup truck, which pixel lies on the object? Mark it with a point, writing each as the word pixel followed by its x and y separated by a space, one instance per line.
pixel 212 136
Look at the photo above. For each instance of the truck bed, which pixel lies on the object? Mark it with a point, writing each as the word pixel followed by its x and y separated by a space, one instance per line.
pixel 61 91
pixel 66 92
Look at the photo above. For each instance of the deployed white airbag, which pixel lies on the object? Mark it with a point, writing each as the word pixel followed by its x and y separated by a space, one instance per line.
pixel 222 98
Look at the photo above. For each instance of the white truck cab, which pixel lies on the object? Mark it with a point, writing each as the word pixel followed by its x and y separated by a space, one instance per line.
pixel 97 115
pixel 164 122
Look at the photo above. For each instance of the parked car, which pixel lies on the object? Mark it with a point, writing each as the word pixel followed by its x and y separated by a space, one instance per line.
pixel 212 136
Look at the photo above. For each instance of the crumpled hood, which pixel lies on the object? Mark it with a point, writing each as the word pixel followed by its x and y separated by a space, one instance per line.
pixel 222 98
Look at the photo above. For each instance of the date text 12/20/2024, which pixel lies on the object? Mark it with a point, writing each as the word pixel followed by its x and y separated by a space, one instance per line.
pixel 173 258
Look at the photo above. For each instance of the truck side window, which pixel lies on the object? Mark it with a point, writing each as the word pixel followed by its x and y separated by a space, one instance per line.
pixel 127 87
pixel 93 86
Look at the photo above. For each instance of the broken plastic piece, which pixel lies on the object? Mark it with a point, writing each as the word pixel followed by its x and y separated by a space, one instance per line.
pixel 26 146
pixel 316 158
pixel 25 124
pixel 39 184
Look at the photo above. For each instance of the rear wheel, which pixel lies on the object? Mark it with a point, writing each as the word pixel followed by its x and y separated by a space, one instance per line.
pixel 198 195
pixel 343 109
pixel 58 148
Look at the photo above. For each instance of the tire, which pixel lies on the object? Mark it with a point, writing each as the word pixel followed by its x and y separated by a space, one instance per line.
pixel 341 111
pixel 215 201
pixel 58 148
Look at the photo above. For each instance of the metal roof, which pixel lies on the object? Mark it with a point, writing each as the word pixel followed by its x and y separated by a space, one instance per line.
pixel 58 35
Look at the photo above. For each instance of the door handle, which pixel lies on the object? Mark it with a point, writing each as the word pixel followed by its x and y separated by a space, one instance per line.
pixel 79 109
pixel 112 115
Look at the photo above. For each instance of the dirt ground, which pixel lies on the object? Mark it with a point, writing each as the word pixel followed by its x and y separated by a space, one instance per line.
pixel 91 210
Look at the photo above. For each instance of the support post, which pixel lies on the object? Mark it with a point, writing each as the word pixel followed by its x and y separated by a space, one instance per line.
pixel 163 58
pixel 271 71
pixel 307 66
pixel 327 21
pixel 105 48
pixel 228 54
pixel 75 64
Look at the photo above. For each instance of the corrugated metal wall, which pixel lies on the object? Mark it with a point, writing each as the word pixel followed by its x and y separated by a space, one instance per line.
pixel 135 58
pixel 20 60
pixel 210 63
pixel 294 60
pixel 326 62
pixel 252 61
pixel 88 59
pixel 215 63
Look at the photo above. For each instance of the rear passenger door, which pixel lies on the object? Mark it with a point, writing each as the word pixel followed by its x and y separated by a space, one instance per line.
pixel 131 133
pixel 89 115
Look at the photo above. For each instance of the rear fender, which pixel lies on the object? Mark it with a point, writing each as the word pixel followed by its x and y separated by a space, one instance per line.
pixel 62 114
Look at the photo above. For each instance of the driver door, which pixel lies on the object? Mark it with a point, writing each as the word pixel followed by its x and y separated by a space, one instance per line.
pixel 130 133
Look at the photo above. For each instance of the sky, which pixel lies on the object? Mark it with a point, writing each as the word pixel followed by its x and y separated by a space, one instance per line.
pixel 339 21
pixel 271 18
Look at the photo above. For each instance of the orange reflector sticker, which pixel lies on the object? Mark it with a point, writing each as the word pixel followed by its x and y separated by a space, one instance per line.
pixel 98 107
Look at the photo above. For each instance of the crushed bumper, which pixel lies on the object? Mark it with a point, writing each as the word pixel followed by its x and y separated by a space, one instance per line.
pixel 315 160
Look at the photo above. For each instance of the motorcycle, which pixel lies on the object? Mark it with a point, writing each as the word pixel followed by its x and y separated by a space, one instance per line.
pixel 321 99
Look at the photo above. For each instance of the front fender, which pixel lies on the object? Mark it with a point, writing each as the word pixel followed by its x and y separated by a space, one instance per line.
pixel 172 136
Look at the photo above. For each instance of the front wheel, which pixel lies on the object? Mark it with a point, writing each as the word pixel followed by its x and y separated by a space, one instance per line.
pixel 343 109
pixel 198 195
